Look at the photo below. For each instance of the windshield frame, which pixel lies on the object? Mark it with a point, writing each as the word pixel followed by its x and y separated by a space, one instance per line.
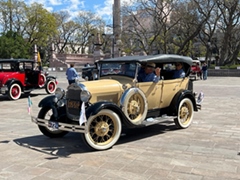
pixel 117 68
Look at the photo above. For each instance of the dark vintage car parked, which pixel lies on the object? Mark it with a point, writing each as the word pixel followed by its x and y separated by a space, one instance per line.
pixel 19 76
pixel 99 109
pixel 89 73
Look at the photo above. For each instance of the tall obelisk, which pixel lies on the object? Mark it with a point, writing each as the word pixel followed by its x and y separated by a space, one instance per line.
pixel 117 27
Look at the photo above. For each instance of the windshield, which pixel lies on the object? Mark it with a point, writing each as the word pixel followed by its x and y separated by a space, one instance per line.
pixel 122 69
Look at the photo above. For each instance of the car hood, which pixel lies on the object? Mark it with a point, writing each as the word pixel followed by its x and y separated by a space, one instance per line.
pixel 104 90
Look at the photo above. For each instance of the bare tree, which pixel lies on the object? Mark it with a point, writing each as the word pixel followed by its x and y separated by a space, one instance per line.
pixel 66 31
pixel 166 26
pixel 89 24
pixel 194 15
pixel 229 27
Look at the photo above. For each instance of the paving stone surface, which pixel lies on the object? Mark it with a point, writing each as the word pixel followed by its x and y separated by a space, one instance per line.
pixel 208 150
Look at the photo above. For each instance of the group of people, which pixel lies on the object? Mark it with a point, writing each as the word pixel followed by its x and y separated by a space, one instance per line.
pixel 149 72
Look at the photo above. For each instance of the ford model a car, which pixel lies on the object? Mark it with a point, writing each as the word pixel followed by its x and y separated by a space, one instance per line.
pixel 18 76
pixel 99 109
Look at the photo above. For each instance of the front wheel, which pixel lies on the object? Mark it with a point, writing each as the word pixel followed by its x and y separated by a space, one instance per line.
pixel 51 86
pixel 46 113
pixel 14 92
pixel 103 130
pixel 185 114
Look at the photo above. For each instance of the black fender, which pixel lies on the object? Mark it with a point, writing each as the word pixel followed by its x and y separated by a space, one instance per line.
pixel 96 107
pixel 50 77
pixel 12 81
pixel 173 108
pixel 50 102
pixel 47 101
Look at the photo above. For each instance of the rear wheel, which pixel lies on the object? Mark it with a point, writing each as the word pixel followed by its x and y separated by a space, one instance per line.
pixel 51 87
pixel 14 92
pixel 46 113
pixel 42 80
pixel 103 130
pixel 185 114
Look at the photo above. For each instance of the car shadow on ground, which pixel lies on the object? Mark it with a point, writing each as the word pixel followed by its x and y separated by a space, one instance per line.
pixel 23 96
pixel 72 143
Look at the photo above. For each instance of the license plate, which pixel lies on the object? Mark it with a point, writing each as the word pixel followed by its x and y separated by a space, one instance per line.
pixel 53 125
pixel 73 104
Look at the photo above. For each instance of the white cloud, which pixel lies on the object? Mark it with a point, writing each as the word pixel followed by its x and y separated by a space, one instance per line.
pixel 76 4
pixel 55 2
pixel 102 8
pixel 106 10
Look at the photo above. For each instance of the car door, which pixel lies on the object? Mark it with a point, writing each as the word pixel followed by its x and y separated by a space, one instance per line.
pixel 170 88
pixel 153 93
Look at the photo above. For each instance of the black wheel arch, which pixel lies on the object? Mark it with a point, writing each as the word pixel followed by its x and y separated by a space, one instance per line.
pixel 50 78
pixel 173 108
pixel 96 107
pixel 14 81
pixel 47 101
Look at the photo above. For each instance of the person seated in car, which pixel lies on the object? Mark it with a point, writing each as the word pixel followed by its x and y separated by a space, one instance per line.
pixel 149 74
pixel 178 72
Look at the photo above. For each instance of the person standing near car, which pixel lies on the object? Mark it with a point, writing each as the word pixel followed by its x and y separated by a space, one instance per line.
pixel 71 74
pixel 204 70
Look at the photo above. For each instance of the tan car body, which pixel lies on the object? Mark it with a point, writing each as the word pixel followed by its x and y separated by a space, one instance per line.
pixel 98 109
pixel 108 89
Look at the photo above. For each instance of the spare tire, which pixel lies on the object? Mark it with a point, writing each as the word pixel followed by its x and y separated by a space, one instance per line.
pixel 134 105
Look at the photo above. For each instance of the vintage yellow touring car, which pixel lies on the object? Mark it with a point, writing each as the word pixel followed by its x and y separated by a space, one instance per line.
pixel 99 109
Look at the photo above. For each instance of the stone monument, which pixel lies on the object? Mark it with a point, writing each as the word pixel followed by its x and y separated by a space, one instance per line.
pixel 117 28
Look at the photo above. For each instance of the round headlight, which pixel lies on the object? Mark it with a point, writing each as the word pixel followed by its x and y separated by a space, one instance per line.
pixel 59 93
pixel 85 96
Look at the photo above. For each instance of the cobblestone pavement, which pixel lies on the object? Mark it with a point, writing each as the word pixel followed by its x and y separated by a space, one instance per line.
pixel 208 150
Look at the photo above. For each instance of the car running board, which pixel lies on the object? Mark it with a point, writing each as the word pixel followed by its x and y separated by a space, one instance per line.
pixel 152 121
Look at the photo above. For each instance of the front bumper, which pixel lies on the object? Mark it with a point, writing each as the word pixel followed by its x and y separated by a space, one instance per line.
pixel 199 99
pixel 60 126
pixel 3 90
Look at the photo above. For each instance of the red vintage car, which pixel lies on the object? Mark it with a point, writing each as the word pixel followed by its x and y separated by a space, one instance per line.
pixel 19 76
pixel 196 70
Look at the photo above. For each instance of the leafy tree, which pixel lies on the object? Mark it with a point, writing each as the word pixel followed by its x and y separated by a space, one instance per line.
pixel 12 45
pixel 40 25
